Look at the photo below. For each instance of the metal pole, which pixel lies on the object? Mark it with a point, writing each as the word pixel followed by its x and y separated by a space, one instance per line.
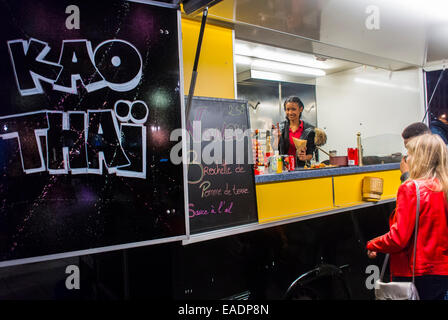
pixel 432 96
pixel 196 62
pixel 280 98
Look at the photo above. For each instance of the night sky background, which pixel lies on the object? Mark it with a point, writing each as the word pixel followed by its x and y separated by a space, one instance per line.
pixel 43 214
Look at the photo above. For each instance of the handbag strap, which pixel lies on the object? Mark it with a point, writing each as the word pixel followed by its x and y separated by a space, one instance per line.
pixel 417 215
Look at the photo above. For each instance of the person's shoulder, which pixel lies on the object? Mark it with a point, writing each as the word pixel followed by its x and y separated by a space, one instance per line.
pixel 407 186
pixel 407 183
pixel 436 127
pixel 282 125
pixel 307 125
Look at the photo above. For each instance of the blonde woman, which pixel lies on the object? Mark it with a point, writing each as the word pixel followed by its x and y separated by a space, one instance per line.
pixel 427 159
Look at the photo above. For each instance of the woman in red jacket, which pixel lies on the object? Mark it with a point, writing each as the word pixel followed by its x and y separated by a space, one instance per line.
pixel 427 159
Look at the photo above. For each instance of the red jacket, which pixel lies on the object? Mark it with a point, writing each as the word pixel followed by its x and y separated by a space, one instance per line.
pixel 432 240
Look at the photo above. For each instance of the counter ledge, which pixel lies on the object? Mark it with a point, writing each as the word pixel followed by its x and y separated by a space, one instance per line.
pixel 324 172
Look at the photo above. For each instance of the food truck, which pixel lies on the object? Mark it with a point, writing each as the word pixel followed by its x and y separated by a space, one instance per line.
pixel 139 144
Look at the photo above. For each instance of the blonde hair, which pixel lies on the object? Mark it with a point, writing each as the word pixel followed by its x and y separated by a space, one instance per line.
pixel 428 160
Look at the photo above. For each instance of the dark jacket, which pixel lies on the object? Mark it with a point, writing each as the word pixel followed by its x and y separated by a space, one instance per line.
pixel 404 176
pixel 438 127
pixel 307 134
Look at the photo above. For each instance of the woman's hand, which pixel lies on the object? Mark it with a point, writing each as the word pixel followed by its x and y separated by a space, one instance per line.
pixel 302 155
pixel 404 167
pixel 371 254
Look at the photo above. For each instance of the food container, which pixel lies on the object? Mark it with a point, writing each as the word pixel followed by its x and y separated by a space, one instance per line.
pixel 285 160
pixel 334 159
pixel 292 163
pixel 273 162
pixel 300 144
pixel 372 188
pixel 279 164
pixel 339 161
pixel 352 154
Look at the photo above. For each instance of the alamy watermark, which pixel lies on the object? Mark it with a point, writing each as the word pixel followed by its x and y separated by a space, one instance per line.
pixel 73 20
pixel 213 146
pixel 372 21
pixel 73 280
pixel 374 274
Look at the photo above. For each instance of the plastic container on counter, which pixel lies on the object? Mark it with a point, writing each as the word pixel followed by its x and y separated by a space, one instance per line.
pixel 352 156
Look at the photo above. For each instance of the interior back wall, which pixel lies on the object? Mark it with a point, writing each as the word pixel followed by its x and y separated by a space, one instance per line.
pixel 375 102
pixel 270 108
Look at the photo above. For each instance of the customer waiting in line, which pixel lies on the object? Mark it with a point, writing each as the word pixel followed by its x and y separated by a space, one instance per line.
pixel 427 159
pixel 439 124
pixel 413 130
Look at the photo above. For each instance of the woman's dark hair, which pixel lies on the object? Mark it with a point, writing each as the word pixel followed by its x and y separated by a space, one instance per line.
pixel 415 129
pixel 293 99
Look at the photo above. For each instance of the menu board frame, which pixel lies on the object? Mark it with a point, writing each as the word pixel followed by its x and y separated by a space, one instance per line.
pixel 213 210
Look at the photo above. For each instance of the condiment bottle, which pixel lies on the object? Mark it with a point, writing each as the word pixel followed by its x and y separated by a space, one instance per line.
pixel 256 160
pixel 268 149
pixel 279 164
pixel 274 162
pixel 268 144
pixel 358 140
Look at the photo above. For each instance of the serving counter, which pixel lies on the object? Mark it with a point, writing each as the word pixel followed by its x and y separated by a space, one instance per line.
pixel 310 193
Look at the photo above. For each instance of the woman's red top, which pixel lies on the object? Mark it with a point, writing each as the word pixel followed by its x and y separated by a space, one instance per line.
pixel 294 134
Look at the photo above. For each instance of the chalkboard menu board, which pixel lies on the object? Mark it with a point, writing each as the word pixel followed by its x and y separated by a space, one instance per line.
pixel 221 184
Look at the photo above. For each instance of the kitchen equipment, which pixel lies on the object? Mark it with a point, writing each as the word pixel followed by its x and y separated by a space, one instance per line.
pixel 335 160
pixel 339 161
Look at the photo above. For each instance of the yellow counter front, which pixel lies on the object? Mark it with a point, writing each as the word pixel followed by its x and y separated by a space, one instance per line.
pixel 300 193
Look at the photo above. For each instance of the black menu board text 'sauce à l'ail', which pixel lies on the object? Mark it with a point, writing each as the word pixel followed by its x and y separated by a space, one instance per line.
pixel 221 193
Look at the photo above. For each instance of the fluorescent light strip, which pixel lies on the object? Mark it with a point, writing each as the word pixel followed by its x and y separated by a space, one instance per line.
pixel 280 55
pixel 279 67
pixel 285 67
pixel 255 74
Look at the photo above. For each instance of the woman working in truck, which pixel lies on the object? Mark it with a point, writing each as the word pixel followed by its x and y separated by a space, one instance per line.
pixel 294 127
